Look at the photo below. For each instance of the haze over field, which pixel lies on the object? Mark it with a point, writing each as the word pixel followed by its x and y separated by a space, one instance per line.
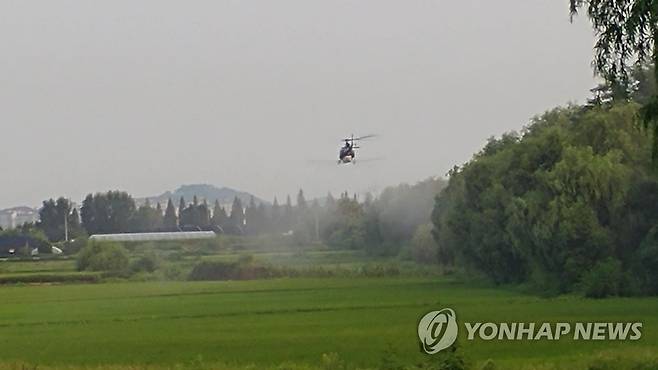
pixel 143 96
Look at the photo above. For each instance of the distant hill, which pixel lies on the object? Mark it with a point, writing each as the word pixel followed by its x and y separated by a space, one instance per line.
pixel 208 192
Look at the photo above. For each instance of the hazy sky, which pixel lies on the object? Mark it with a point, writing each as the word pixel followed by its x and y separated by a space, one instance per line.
pixel 143 96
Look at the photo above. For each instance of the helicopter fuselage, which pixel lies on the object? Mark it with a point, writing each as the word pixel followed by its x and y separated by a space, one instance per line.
pixel 346 155
pixel 346 159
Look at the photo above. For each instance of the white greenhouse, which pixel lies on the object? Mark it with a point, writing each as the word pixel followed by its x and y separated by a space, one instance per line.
pixel 138 237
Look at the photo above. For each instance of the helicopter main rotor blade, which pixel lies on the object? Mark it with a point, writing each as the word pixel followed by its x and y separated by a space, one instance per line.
pixel 358 138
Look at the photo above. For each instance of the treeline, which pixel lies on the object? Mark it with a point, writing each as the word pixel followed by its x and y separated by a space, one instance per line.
pixel 379 225
pixel 385 225
pixel 570 203
pixel 116 212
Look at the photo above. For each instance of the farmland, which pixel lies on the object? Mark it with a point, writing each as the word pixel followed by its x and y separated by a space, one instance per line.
pixel 356 321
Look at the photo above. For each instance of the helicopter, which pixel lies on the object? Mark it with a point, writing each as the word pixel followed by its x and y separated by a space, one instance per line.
pixel 347 153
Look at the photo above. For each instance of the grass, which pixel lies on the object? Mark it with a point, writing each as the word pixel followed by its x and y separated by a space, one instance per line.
pixel 270 322
pixel 37 266
pixel 288 323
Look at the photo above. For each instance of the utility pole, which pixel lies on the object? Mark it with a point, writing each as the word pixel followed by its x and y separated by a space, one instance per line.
pixel 66 227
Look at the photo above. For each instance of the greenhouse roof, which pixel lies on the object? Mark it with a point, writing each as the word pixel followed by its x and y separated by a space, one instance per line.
pixel 136 237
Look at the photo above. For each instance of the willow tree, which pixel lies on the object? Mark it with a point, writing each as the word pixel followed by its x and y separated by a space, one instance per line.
pixel 626 33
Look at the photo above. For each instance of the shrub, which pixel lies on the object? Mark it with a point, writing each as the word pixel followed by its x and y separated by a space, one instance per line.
pixel 25 240
pixel 451 359
pixel 423 246
pixel 379 270
pixel 301 235
pixel 390 359
pixel 246 259
pixel 173 272
pixel 147 263
pixel 103 257
pixel 175 256
pixel 603 279
pixel 74 246
pixel 332 361
pixel 646 262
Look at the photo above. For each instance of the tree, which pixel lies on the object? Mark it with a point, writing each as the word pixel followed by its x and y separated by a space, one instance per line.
pixel 103 257
pixel 56 216
pixel 288 216
pixel 301 201
pixel 105 213
pixel 252 218
pixel 302 215
pixel 74 226
pixel 196 215
pixel 147 219
pixel 219 217
pixel 159 216
pixel 204 215
pixel 186 219
pixel 275 216
pixel 170 222
pixel 89 217
pixel 626 32
pixel 423 246
pixel 236 219
pixel 262 219
pixel 346 229
pixel 571 193
pixel 181 207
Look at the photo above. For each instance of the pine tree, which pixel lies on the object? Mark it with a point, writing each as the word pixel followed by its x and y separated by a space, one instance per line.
pixel 219 217
pixel 237 216
pixel 170 219
pixel 275 216
pixel 194 213
pixel 181 209
pixel 301 220
pixel 159 216
pixel 301 201
pixel 251 217
pixel 288 214
pixel 204 215
pixel 262 219
pixel 215 213
pixel 147 219
pixel 222 218
pixel 316 212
